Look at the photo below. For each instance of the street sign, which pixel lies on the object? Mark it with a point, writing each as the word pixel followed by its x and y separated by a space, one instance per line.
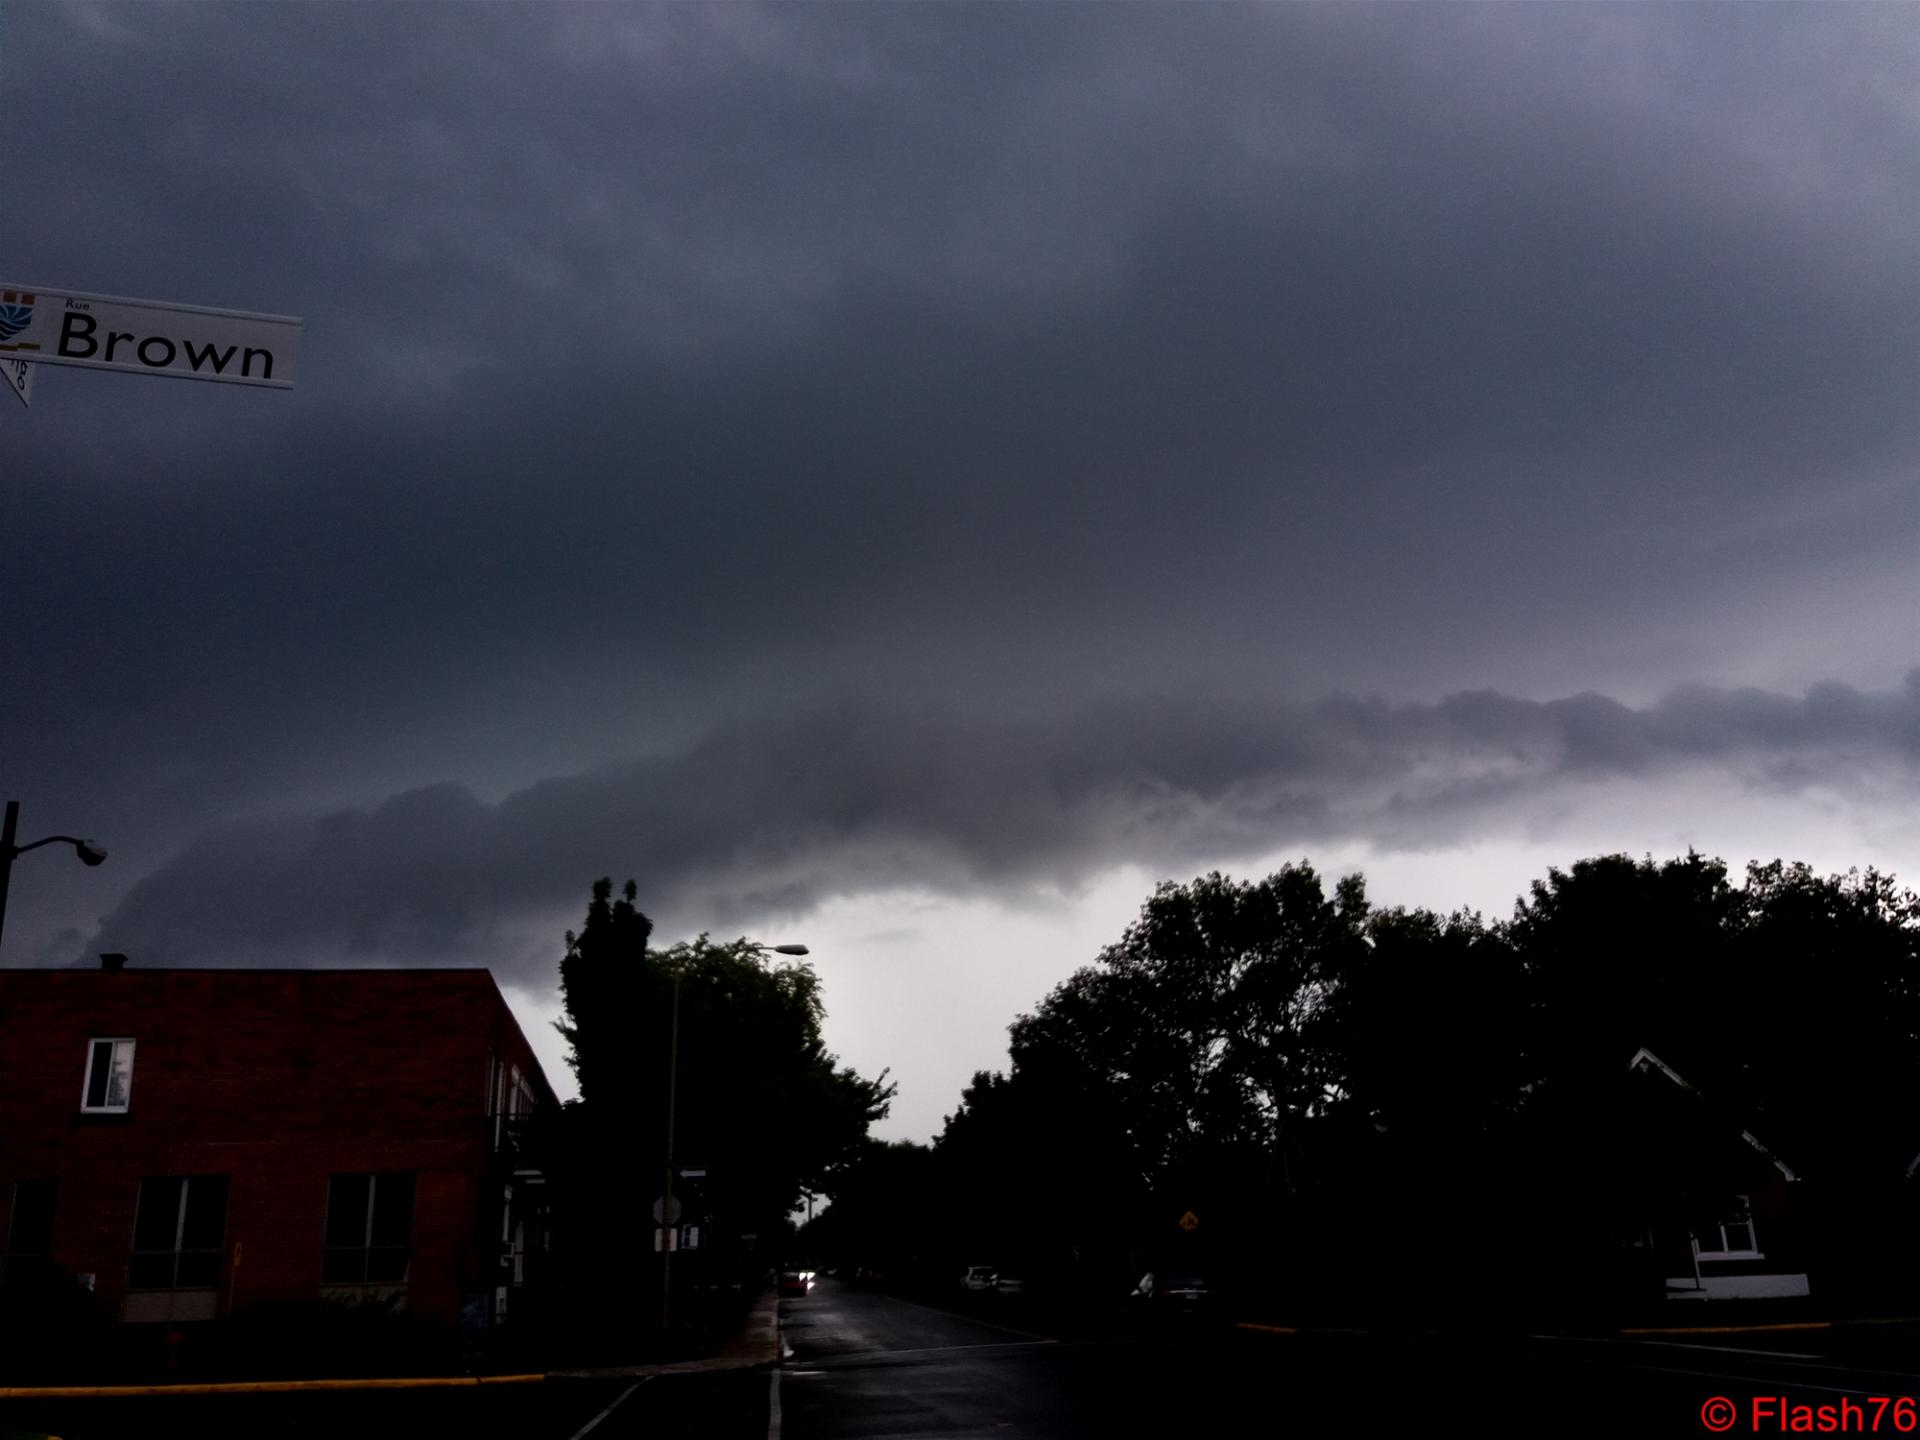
pixel 667 1212
pixel 147 337
pixel 19 378
pixel 1189 1222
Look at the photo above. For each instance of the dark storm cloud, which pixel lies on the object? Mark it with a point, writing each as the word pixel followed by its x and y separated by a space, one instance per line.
pixel 770 818
pixel 669 363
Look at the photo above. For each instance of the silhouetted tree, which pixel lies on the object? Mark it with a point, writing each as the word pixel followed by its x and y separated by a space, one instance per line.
pixel 759 1103
pixel 1795 998
pixel 1426 1025
pixel 1164 1077
pixel 603 989
pixel 1207 1020
pixel 884 1217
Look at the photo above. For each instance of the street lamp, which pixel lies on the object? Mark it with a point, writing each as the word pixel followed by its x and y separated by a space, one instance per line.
pixel 669 1222
pixel 89 853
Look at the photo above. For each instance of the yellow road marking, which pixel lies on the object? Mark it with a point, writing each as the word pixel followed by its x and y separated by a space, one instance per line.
pixel 257 1387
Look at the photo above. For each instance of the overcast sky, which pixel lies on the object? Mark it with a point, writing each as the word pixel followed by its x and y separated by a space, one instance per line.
pixel 905 479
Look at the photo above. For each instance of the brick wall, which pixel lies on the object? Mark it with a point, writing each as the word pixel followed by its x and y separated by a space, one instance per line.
pixel 278 1079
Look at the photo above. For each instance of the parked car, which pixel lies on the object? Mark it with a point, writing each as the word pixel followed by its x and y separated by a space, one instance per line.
pixel 978 1277
pixel 1181 1288
pixel 795 1282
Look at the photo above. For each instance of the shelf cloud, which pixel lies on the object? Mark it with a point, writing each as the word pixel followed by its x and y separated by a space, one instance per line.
pixel 775 816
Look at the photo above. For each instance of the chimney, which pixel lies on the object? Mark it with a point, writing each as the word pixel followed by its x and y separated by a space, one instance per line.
pixel 113 961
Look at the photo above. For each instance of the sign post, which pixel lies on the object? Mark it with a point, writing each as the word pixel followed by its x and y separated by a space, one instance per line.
pixel 146 337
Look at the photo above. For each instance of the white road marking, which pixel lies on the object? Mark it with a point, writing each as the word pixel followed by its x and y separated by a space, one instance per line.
pixel 1754 1381
pixel 1734 1350
pixel 587 1429
pixel 1878 1378
pixel 1687 1345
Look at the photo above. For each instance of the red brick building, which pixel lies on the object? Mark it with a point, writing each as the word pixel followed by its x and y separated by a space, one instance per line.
pixel 192 1142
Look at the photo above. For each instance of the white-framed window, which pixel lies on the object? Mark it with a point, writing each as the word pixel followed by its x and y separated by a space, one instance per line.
pixel 519 1093
pixel 1730 1234
pixel 109 1084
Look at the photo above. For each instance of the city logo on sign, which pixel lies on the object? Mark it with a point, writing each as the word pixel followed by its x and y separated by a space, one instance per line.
pixel 16 313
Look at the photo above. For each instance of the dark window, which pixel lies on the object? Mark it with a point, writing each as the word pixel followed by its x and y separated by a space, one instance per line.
pixel 369 1229
pixel 179 1232
pixel 1730 1232
pixel 30 1231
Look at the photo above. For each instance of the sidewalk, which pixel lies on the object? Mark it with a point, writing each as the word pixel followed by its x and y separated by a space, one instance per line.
pixel 755 1345
pixel 1728 1318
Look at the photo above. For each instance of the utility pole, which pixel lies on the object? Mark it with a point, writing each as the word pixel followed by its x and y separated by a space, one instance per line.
pixel 668 1228
pixel 7 852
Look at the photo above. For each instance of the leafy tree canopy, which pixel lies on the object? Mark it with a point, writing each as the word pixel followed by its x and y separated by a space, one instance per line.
pixel 758 1102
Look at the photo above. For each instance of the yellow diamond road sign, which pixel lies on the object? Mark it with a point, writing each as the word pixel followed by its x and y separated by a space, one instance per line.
pixel 1189 1222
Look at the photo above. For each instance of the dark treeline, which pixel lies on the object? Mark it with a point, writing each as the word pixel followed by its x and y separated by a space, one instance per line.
pixel 1373 1111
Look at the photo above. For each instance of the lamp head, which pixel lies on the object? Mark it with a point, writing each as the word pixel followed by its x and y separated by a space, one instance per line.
pixel 788 949
pixel 89 853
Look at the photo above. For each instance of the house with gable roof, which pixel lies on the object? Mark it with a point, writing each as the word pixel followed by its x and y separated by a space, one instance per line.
pixel 1716 1213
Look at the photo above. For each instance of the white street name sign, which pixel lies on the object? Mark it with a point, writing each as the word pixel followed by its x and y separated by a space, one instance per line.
pixel 147 337
pixel 19 378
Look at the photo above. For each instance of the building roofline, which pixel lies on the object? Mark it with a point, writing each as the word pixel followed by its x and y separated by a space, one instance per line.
pixel 1644 1059
pixel 120 977
pixel 249 970
pixel 552 1096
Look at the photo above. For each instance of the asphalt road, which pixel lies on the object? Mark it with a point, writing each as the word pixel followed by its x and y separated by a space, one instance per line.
pixel 872 1366
pixel 869 1366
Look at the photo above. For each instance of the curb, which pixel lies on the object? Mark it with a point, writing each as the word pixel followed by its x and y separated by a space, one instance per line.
pixel 746 1351
pixel 759 1353
pixel 1778 1326
pixel 257 1387
pixel 1728 1329
pixel 1635 1331
pixel 709 1366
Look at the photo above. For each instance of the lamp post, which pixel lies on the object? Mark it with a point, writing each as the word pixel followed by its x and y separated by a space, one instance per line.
pixel 89 853
pixel 669 1222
